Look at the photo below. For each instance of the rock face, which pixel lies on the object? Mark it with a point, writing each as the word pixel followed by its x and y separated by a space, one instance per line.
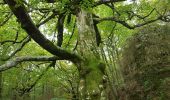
pixel 146 64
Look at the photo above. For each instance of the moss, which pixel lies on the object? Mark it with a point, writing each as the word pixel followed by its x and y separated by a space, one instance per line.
pixel 145 56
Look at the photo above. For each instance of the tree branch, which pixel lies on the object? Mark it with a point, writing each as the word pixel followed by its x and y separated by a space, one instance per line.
pixel 73 30
pixel 100 2
pixel 60 25
pixel 124 23
pixel 12 41
pixel 6 20
pixel 132 14
pixel 18 49
pixel 98 36
pixel 30 87
pixel 18 60
pixel 20 12
pixel 46 20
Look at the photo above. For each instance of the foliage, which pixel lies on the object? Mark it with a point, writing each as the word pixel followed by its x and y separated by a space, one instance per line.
pixel 112 22
pixel 145 62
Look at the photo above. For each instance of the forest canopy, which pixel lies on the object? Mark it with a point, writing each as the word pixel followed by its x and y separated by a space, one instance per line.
pixel 84 49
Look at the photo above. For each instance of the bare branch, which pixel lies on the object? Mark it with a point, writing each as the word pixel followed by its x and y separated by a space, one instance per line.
pixel 132 14
pixel 46 20
pixel 124 23
pixel 12 41
pixel 6 20
pixel 100 2
pixel 18 49
pixel 18 60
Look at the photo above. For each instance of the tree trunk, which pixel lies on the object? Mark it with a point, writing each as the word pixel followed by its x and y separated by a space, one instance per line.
pixel 1 79
pixel 91 69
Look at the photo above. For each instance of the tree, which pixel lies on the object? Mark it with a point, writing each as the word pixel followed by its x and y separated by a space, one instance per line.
pixel 146 68
pixel 84 20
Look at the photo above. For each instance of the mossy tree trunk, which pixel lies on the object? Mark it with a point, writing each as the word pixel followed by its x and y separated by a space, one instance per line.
pixel 91 69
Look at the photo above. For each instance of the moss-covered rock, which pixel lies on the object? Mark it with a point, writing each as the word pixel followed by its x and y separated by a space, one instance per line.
pixel 146 64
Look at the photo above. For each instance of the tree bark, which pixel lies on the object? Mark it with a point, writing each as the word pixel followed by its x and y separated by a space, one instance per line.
pixel 91 69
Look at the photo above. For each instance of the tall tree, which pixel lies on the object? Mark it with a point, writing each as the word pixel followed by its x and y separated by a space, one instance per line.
pixel 38 17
